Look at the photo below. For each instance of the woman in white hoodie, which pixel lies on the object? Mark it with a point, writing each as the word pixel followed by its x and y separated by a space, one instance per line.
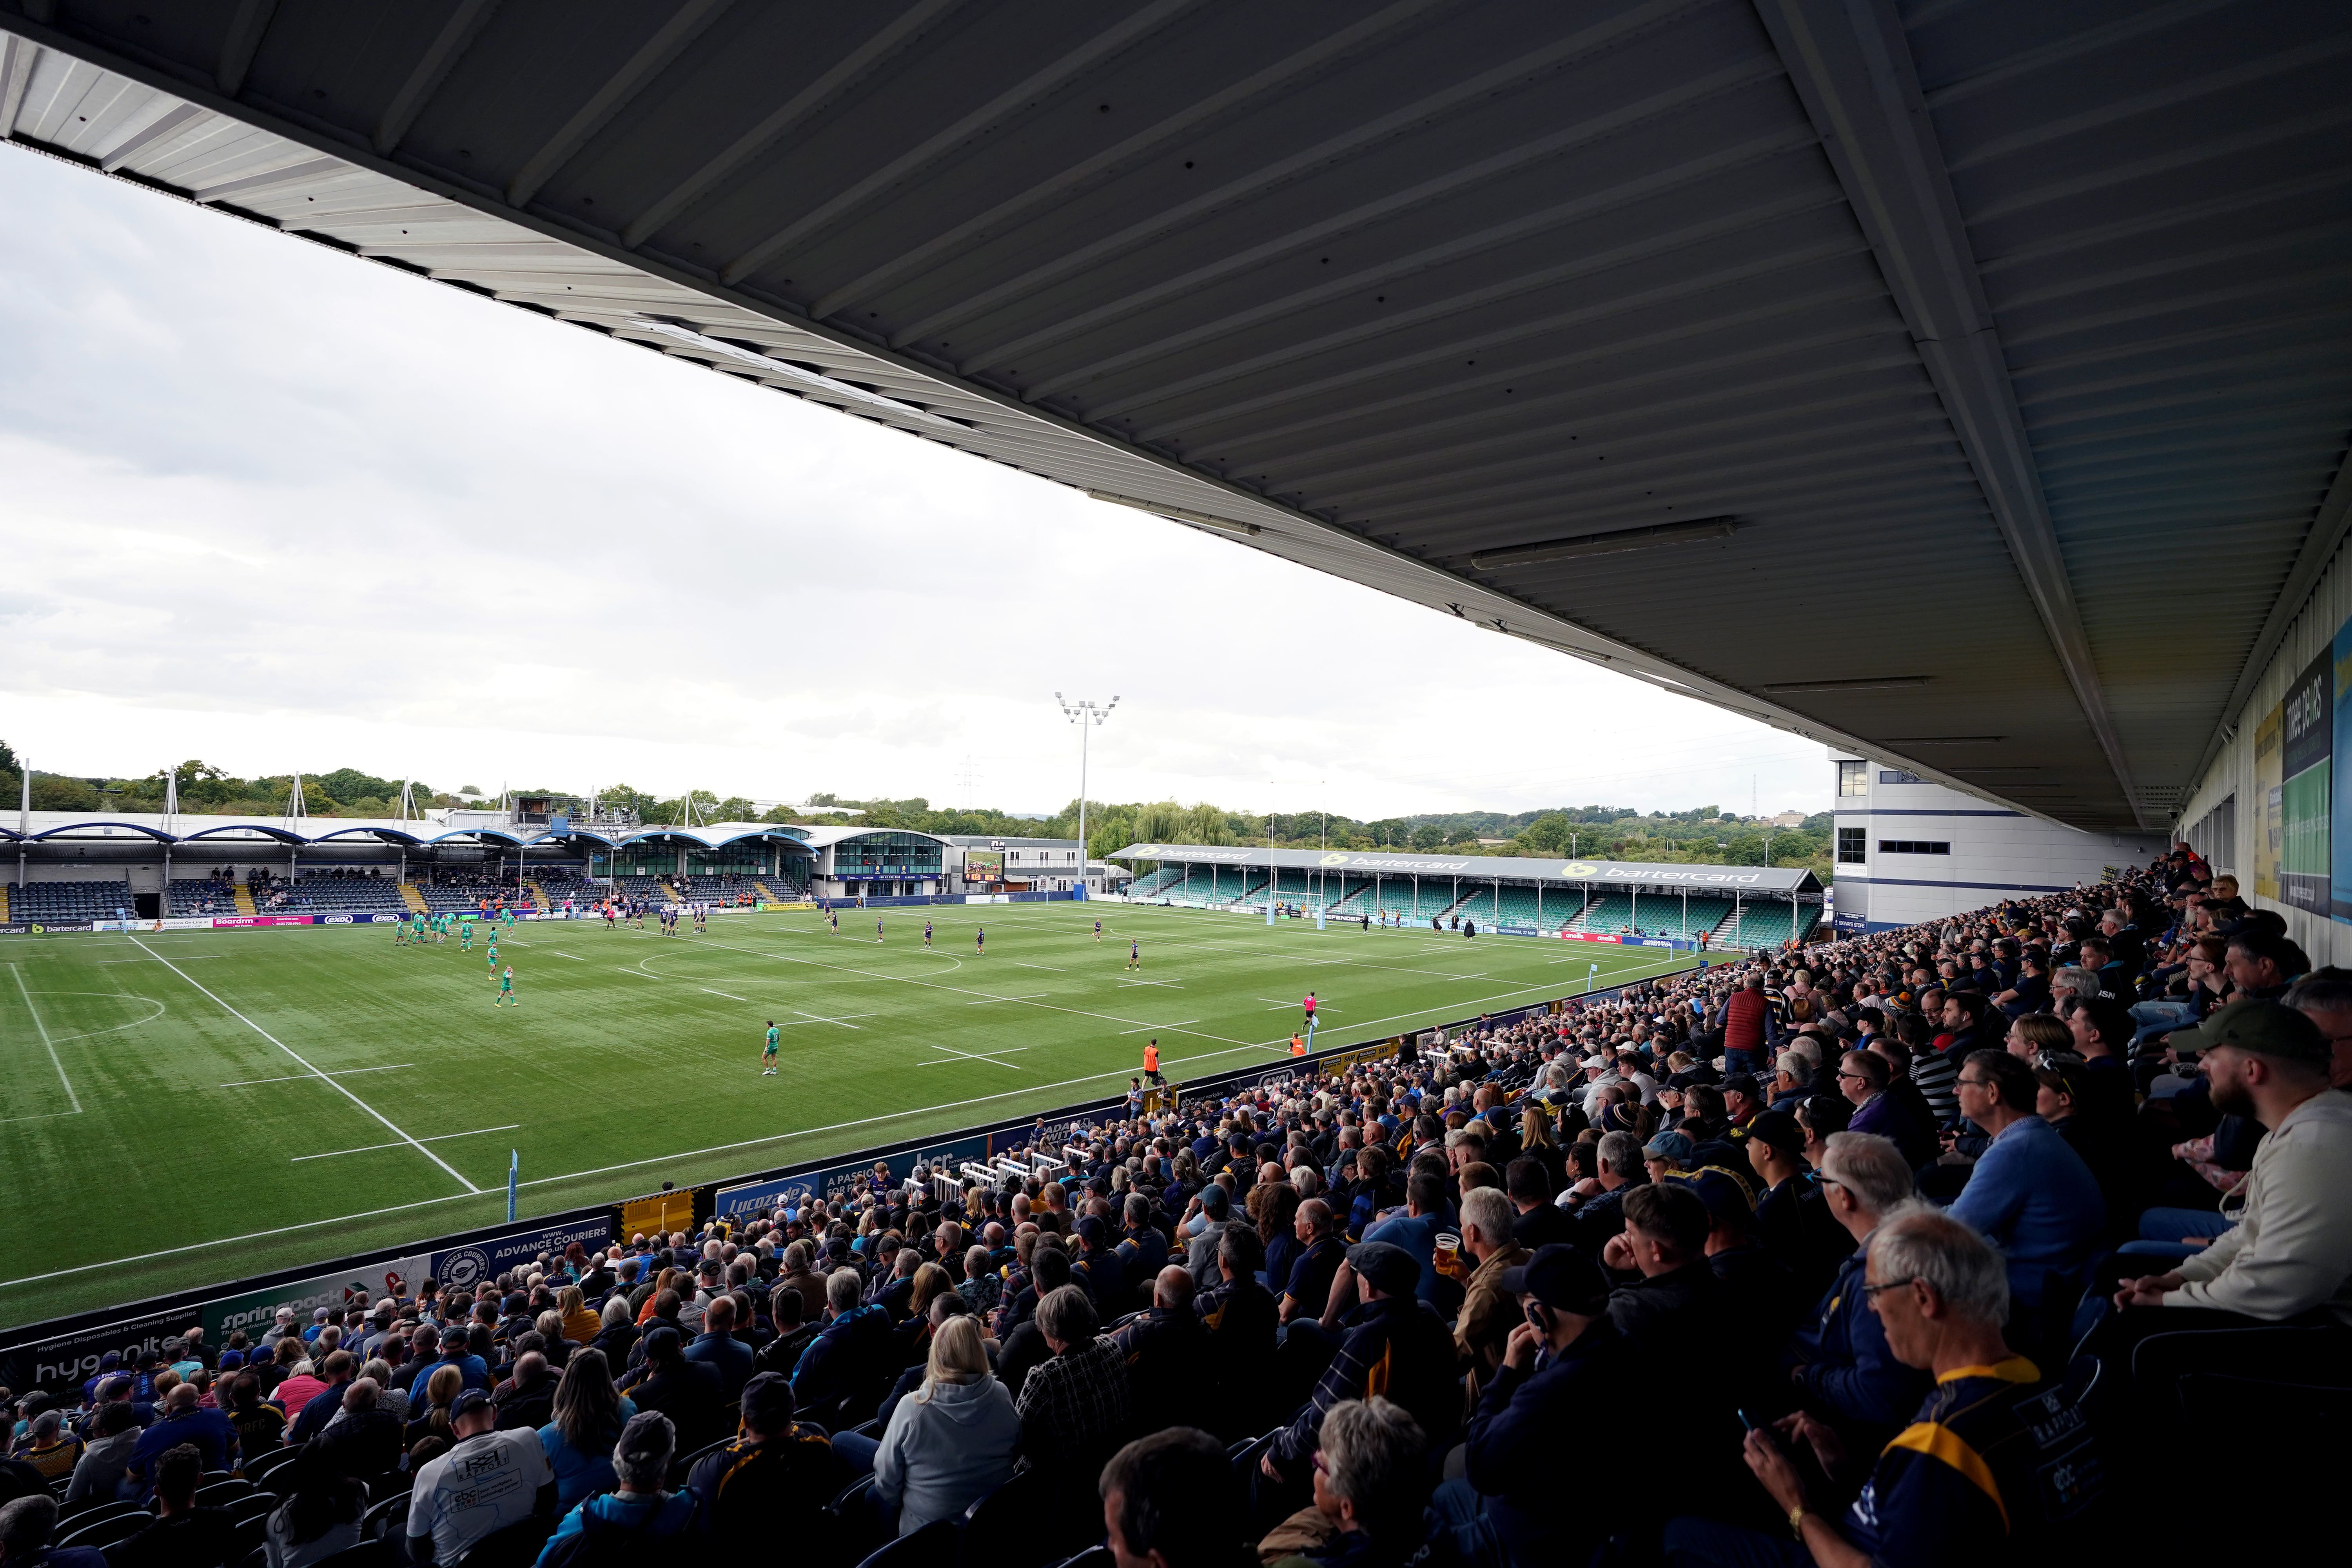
pixel 953 1440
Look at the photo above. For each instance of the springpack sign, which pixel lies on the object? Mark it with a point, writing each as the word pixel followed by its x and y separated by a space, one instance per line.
pixel 735 1205
pixel 255 1309
pixel 463 1268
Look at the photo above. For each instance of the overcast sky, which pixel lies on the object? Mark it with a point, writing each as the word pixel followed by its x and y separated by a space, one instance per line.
pixel 276 508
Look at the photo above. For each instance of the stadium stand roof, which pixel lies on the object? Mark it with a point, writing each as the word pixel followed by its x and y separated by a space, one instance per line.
pixel 825 838
pixel 188 827
pixel 1712 340
pixel 1509 868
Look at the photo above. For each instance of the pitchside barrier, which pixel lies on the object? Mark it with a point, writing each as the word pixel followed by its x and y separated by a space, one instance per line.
pixel 60 1353
pixel 1612 939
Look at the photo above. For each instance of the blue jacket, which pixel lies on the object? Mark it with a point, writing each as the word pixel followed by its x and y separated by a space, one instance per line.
pixel 851 1347
pixel 641 1516
pixel 730 1355
pixel 1850 1372
pixel 2031 1196
pixel 1511 1450
pixel 578 1476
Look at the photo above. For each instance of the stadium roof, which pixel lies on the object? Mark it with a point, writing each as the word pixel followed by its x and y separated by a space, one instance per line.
pixel 1481 868
pixel 1908 378
pixel 191 828
pixel 1007 841
pixel 824 837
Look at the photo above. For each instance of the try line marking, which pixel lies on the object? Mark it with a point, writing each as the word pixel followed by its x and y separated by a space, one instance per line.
pixel 46 1044
pixel 305 1064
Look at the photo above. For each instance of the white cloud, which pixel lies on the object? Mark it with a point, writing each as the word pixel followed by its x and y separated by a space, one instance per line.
pixel 276 508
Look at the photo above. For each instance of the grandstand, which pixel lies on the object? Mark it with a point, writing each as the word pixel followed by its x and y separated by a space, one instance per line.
pixel 1150 885
pixel 2023 309
pixel 1766 924
pixel 1546 909
pixel 1679 901
pixel 203 896
pixel 565 882
pixel 329 892
pixel 55 902
pixel 721 889
pixel 1476 907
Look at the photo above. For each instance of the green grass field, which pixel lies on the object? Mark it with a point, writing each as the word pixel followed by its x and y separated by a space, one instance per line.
pixel 184 1108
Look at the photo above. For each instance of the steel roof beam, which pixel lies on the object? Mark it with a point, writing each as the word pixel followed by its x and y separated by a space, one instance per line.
pixel 1851 64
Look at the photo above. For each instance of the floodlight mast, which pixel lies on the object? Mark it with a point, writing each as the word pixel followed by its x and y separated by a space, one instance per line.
pixel 1085 716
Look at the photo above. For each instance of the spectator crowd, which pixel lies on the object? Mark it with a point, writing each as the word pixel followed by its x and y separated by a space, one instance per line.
pixel 1949 1244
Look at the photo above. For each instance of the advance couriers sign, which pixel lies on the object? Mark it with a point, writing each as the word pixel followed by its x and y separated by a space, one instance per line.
pixel 463 1268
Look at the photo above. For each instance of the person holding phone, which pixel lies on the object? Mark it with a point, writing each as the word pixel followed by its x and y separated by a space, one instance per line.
pixel 1563 1361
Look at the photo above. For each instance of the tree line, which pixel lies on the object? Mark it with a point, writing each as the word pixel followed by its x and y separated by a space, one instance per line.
pixel 1700 835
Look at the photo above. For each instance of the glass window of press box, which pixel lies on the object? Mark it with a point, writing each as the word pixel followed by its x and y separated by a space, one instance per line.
pixel 886 854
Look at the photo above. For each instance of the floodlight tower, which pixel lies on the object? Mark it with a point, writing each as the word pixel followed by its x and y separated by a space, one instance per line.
pixel 1085 716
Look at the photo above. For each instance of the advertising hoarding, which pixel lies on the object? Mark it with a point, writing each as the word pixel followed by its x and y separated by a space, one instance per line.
pixel 2306 788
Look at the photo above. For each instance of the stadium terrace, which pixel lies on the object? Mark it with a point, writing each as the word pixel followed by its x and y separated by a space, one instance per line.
pixel 1715 906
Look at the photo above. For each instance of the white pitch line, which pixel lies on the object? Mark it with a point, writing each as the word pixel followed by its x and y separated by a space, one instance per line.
pixel 304 1076
pixel 808 1018
pixel 453 1172
pixel 1177 1024
pixel 954 1055
pixel 1020 965
pixel 567 955
pixel 150 1253
pixel 370 1148
pixel 986 1000
pixel 815 1018
pixel 707 991
pixel 46 1044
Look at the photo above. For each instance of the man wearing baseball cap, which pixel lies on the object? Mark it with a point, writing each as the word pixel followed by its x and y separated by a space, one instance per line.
pixel 1390 1336
pixel 2290 1254
pixel 775 1469
pixel 487 1480
pixel 1561 1367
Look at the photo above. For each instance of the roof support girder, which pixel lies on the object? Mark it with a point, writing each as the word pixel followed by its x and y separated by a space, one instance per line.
pixel 1851 64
